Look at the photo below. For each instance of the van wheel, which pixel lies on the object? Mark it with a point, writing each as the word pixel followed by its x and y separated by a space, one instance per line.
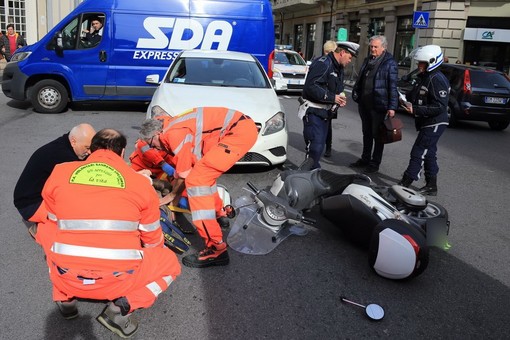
pixel 49 96
pixel 498 126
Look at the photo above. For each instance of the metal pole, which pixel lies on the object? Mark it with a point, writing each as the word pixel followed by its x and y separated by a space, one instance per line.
pixel 416 30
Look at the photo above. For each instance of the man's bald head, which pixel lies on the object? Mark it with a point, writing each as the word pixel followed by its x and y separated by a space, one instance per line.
pixel 80 138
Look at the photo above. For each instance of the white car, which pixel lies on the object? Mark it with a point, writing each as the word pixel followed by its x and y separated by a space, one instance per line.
pixel 289 71
pixel 198 78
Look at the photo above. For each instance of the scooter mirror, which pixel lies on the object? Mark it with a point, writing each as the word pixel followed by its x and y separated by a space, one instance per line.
pixel 374 312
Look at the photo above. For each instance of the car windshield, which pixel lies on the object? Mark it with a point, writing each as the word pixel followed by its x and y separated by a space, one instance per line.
pixel 289 58
pixel 489 79
pixel 217 72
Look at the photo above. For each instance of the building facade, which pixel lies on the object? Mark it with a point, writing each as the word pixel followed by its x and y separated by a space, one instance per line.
pixel 471 31
pixel 34 18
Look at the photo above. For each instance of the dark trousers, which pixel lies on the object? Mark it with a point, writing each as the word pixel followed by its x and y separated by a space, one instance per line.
pixel 329 137
pixel 315 130
pixel 373 148
pixel 424 152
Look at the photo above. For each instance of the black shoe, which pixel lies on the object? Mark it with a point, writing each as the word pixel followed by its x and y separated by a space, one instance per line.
pixel 359 164
pixel 327 153
pixel 430 189
pixel 208 257
pixel 405 181
pixel 371 169
pixel 223 222
pixel 68 309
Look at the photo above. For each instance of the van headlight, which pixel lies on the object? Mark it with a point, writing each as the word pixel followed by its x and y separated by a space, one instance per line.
pixel 20 56
pixel 274 124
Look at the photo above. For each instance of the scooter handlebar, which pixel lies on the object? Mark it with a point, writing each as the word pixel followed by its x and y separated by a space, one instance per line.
pixel 308 220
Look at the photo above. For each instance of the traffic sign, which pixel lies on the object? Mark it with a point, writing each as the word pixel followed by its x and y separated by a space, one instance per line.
pixel 421 19
pixel 342 34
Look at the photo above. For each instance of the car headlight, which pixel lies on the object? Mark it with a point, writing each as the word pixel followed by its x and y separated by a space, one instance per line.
pixel 20 56
pixel 277 74
pixel 274 124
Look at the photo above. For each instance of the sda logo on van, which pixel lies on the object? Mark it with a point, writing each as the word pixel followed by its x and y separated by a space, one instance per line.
pixel 216 32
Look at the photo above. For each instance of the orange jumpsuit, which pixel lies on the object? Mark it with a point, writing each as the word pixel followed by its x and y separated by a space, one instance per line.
pixel 145 157
pixel 207 142
pixel 103 239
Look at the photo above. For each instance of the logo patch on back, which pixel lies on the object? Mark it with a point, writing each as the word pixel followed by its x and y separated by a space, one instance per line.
pixel 98 174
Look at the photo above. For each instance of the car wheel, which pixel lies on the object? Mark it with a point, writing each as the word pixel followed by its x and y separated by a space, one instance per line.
pixel 452 121
pixel 49 96
pixel 498 126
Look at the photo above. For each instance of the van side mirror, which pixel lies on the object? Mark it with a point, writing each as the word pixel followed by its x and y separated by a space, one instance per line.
pixel 59 45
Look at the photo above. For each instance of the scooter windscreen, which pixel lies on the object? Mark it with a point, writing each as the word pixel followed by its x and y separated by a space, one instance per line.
pixel 250 234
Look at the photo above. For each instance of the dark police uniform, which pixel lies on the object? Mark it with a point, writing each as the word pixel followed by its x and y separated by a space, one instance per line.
pixel 324 80
pixel 429 97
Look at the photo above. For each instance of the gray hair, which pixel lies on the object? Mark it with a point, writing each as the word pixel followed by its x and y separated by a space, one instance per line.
pixel 150 128
pixel 381 38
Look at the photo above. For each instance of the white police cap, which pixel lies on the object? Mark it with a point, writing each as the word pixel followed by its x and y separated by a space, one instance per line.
pixel 350 47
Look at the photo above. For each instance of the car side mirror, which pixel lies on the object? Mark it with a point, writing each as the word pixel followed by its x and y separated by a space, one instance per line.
pixel 59 45
pixel 152 79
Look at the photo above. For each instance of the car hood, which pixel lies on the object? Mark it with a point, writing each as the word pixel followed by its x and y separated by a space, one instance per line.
pixel 284 68
pixel 176 99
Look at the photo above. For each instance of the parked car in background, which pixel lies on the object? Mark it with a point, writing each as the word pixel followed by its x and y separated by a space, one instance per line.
pixel 289 70
pixel 198 78
pixel 476 94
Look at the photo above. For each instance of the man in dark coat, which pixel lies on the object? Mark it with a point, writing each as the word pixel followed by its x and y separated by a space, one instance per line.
pixel 72 146
pixel 376 93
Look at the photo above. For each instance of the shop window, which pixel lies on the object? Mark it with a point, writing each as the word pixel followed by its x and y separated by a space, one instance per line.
pixel 298 37
pixel 310 41
pixel 354 31
pixel 376 27
pixel 404 42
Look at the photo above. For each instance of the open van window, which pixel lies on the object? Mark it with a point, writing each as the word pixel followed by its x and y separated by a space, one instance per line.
pixel 81 34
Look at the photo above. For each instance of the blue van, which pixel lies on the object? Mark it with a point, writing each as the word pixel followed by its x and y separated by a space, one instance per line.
pixel 104 50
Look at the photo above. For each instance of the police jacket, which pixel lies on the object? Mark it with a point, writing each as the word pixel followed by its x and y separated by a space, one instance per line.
pixel 429 97
pixel 324 80
pixel 385 95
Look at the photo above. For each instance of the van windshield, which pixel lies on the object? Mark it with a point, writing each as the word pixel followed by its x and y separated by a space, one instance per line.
pixel 217 72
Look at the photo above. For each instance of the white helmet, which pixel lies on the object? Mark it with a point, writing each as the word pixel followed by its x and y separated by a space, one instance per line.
pixel 430 54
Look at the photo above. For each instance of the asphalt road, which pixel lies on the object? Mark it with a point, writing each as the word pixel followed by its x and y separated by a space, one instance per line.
pixel 293 292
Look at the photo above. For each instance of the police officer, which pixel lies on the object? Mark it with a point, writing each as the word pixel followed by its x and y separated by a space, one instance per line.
pixel 322 97
pixel 428 102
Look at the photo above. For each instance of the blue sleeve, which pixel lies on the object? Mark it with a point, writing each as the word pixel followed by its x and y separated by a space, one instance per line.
pixel 168 169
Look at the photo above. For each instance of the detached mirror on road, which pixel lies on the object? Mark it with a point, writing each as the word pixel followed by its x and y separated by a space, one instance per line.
pixel 373 311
